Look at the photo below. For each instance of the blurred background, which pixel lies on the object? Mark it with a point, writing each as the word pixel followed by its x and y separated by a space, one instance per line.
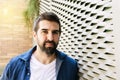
pixel 15 36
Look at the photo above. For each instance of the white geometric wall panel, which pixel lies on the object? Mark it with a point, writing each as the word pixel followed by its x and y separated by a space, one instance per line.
pixel 87 35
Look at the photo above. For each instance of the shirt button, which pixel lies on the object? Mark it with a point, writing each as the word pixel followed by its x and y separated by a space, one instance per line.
pixel 28 73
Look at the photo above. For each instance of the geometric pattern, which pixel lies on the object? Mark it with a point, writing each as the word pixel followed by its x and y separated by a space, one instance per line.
pixel 87 35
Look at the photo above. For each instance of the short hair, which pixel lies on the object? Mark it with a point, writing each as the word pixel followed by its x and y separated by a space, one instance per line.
pixel 50 16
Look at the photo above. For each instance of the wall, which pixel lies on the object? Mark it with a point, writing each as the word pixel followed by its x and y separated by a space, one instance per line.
pixel 15 36
pixel 116 20
pixel 88 35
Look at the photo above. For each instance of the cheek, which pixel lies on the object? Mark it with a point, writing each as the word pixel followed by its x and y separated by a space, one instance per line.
pixel 57 38
pixel 41 38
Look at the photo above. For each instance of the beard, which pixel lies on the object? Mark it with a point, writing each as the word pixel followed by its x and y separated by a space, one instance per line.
pixel 49 50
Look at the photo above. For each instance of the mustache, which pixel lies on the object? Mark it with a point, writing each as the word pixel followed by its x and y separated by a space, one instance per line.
pixel 50 42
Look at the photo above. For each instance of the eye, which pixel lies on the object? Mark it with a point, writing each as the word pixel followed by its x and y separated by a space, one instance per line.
pixel 55 32
pixel 44 31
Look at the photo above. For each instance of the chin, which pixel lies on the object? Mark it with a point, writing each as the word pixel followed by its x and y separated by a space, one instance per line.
pixel 50 51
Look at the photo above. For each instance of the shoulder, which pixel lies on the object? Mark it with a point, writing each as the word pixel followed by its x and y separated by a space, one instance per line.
pixel 15 65
pixel 71 61
pixel 69 65
pixel 66 58
pixel 25 56
pixel 16 60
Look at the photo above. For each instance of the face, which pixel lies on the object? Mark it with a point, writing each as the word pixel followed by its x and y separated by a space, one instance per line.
pixel 47 36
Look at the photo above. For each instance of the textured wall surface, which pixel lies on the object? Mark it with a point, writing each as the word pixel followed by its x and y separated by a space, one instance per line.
pixel 116 32
pixel 87 35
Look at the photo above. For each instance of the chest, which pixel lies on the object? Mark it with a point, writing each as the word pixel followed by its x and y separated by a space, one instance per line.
pixel 41 71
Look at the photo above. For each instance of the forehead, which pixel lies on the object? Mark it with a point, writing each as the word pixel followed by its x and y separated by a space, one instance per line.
pixel 50 25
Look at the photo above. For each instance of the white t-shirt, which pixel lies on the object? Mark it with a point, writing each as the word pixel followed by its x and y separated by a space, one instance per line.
pixel 41 71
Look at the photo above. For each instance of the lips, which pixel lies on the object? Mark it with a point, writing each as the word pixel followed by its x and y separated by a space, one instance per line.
pixel 49 45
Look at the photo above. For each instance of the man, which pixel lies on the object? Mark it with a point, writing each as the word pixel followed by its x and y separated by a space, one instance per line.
pixel 44 61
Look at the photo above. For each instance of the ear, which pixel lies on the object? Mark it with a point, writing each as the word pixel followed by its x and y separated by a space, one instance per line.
pixel 34 34
pixel 34 37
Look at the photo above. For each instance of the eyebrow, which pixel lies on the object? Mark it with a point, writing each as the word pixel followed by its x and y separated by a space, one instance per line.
pixel 47 29
pixel 44 29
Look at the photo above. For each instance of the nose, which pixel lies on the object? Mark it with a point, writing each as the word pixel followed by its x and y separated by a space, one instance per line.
pixel 50 36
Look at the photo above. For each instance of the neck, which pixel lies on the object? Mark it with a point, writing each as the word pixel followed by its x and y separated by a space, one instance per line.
pixel 43 57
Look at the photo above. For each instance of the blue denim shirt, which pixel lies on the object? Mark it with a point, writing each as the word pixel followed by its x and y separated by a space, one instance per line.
pixel 19 67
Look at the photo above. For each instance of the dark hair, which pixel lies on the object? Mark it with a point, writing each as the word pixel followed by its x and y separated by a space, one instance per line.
pixel 50 16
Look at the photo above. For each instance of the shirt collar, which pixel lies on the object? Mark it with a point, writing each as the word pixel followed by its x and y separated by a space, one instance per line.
pixel 27 55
